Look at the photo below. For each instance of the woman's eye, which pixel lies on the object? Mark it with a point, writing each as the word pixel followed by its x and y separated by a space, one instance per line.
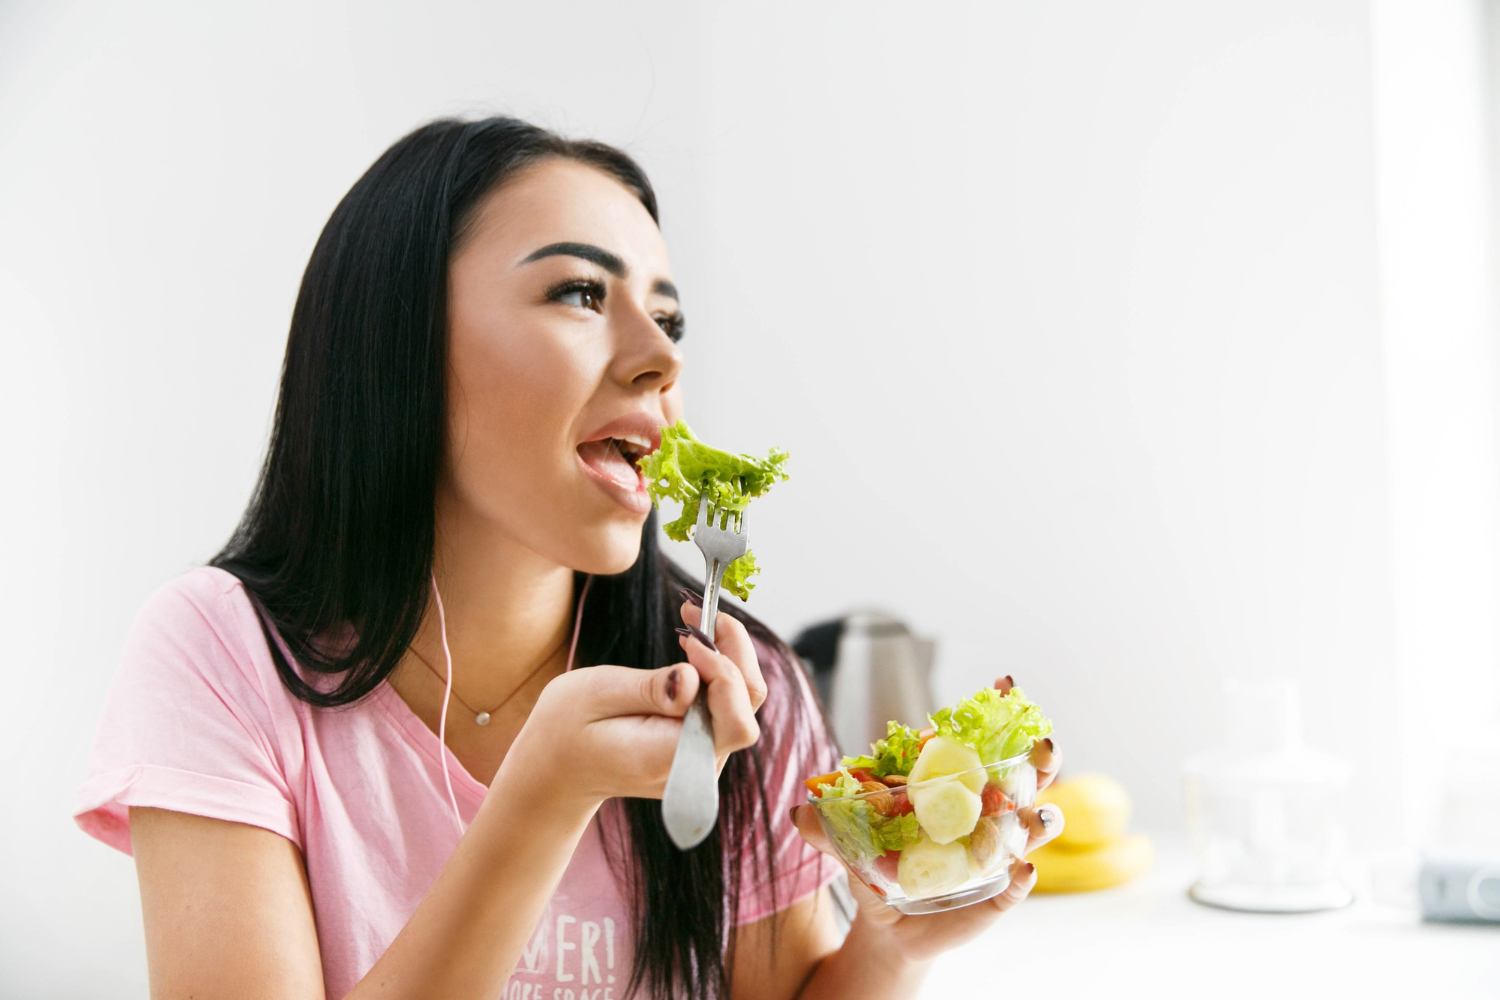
pixel 673 325
pixel 584 294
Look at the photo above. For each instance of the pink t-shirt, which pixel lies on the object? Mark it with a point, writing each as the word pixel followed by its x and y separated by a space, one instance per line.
pixel 198 721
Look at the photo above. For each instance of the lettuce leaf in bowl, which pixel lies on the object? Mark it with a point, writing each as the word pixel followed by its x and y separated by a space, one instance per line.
pixel 861 832
pixel 996 725
pixel 685 469
pixel 893 755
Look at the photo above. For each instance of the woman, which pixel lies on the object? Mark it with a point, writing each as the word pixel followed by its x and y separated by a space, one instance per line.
pixel 485 340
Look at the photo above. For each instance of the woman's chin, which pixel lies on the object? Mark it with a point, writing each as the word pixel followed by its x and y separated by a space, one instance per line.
pixel 616 548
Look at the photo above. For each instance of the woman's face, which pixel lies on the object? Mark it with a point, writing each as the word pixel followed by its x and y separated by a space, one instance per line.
pixel 563 366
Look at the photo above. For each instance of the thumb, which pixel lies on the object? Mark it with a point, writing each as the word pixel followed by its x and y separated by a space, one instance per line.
pixel 805 818
pixel 621 691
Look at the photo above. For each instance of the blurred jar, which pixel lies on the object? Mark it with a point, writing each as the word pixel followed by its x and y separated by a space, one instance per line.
pixel 1263 811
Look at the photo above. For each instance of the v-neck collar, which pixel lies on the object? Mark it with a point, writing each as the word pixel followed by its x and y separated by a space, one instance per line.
pixel 426 742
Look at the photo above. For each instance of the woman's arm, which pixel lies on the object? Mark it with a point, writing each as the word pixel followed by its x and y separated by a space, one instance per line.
pixel 227 909
pixel 228 912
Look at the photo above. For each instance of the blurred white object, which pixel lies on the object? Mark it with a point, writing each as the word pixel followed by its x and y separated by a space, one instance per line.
pixel 1459 876
pixel 869 669
pixel 1460 887
pixel 1263 810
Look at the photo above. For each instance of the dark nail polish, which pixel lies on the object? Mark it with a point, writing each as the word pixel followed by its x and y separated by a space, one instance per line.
pixel 681 631
pixel 691 598
pixel 1047 817
pixel 1048 742
pixel 1004 684
pixel 703 639
pixel 1030 868
pixel 672 684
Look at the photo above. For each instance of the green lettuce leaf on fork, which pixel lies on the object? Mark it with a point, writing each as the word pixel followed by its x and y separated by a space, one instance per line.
pixel 685 469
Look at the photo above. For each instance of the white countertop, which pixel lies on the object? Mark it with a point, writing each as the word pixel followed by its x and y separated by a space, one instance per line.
pixel 1148 939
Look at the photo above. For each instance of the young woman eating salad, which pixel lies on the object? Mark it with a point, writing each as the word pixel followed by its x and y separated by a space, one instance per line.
pixel 485 342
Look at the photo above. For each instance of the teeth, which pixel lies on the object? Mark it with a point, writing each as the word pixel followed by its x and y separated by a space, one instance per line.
pixel 632 446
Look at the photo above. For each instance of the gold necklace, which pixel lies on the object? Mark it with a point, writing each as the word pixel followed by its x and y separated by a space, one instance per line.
pixel 483 718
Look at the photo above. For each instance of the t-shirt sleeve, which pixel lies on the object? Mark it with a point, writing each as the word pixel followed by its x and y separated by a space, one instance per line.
pixel 795 744
pixel 188 724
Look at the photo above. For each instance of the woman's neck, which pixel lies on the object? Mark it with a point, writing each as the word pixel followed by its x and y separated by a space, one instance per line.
pixel 508 609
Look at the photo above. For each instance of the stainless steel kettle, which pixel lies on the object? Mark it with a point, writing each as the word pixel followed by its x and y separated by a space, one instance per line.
pixel 868 669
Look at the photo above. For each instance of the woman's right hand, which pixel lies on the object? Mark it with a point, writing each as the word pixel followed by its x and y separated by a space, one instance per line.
pixel 607 731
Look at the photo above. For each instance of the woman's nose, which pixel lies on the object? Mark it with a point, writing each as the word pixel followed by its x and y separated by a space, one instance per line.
pixel 645 354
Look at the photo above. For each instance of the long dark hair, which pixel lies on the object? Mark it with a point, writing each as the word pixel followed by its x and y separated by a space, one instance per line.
pixel 338 538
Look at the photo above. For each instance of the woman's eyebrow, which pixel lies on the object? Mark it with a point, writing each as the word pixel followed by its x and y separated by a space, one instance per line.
pixel 586 251
pixel 598 255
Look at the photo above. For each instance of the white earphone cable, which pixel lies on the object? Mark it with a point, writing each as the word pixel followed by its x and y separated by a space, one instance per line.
pixel 448 684
pixel 443 718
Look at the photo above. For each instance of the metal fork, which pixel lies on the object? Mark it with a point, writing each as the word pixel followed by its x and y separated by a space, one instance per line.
pixel 690 803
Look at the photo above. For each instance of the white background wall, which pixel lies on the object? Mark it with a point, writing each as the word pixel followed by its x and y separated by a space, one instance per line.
pixel 1078 324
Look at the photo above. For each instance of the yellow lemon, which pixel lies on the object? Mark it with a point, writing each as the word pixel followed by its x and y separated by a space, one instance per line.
pixel 1095 807
pixel 1059 869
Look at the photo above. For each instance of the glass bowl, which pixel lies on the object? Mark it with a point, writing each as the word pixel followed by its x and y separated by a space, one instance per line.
pixel 966 855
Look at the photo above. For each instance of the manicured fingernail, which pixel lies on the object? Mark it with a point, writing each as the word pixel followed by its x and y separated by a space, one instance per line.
pixel 1004 684
pixel 1029 867
pixel 1048 742
pixel 702 638
pixel 682 631
pixel 672 684
pixel 1047 818
pixel 691 598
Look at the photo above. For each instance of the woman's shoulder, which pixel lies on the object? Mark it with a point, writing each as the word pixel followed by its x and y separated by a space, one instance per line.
pixel 207 591
pixel 195 720
pixel 202 623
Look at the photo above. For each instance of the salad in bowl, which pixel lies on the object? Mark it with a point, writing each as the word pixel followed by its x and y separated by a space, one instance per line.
pixel 928 819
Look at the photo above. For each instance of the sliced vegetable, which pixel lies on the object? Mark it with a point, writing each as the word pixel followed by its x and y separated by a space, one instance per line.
pixel 928 868
pixel 942 756
pixel 946 809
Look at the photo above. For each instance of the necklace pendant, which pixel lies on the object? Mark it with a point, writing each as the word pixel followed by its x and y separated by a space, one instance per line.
pixel 483 718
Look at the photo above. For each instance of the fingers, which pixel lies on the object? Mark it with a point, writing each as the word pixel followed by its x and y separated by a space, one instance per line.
pixel 728 699
pixel 734 642
pixel 1004 684
pixel 1046 760
pixel 1043 823
pixel 609 692
pixel 1022 880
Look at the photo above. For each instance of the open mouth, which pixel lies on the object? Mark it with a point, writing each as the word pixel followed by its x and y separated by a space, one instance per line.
pixel 617 459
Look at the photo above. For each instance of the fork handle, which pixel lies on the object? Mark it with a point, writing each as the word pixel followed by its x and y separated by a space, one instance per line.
pixel 713 578
pixel 690 801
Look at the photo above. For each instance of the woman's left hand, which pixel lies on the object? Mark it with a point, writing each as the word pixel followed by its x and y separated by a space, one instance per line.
pixel 920 938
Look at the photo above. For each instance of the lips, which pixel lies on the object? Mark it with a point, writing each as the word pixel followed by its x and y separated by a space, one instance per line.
pixel 611 456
